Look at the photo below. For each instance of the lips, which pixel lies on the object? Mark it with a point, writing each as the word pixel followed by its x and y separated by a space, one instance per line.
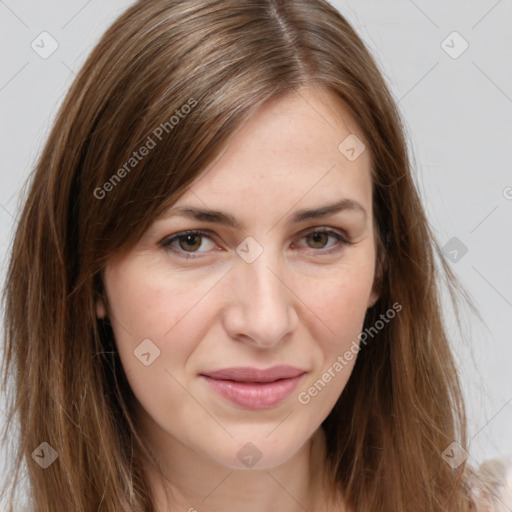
pixel 248 374
pixel 252 388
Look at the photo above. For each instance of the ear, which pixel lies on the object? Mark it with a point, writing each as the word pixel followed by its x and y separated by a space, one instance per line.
pixel 101 310
pixel 374 297
pixel 380 269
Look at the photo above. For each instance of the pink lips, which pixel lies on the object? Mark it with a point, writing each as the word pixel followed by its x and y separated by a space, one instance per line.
pixel 252 388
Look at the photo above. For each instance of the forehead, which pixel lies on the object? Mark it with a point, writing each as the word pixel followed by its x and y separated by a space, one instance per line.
pixel 302 148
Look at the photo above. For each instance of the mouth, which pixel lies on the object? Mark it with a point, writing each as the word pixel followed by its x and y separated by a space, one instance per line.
pixel 251 388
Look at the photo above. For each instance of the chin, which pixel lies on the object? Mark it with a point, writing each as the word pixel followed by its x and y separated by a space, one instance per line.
pixel 256 452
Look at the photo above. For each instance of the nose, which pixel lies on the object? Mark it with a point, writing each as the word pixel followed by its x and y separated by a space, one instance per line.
pixel 261 310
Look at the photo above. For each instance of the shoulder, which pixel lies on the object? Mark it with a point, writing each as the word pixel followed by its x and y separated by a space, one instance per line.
pixel 492 488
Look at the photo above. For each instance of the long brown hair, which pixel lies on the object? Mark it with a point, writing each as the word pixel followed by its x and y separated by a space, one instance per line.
pixel 91 198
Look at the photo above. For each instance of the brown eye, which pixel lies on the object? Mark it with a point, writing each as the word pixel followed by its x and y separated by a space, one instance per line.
pixel 187 243
pixel 319 239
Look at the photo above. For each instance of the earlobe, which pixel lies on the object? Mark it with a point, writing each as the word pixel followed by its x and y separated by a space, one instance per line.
pixel 374 297
pixel 376 289
pixel 380 268
pixel 101 311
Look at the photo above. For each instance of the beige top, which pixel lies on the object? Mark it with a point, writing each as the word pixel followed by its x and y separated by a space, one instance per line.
pixel 494 492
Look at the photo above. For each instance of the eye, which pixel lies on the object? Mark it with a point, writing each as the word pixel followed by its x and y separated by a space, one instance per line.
pixel 187 243
pixel 319 238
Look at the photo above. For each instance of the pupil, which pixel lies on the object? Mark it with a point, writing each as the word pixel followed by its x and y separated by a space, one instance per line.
pixel 190 241
pixel 316 235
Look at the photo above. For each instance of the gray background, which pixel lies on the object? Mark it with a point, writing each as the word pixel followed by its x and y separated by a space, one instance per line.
pixel 457 113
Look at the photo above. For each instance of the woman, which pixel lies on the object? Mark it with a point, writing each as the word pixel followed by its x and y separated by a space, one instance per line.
pixel 222 293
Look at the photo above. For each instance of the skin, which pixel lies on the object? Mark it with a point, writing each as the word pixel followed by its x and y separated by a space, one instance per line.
pixel 295 304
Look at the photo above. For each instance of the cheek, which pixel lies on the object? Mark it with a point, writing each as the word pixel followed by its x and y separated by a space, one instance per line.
pixel 339 315
pixel 146 305
pixel 150 305
pixel 340 302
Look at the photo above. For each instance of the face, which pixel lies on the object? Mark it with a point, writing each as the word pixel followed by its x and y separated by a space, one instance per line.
pixel 272 281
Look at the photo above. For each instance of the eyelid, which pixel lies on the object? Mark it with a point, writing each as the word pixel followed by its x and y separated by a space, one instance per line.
pixel 343 239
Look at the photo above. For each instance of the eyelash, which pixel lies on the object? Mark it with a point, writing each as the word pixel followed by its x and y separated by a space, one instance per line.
pixel 341 241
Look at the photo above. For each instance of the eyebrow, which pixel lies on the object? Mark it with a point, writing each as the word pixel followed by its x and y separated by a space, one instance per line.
pixel 219 217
